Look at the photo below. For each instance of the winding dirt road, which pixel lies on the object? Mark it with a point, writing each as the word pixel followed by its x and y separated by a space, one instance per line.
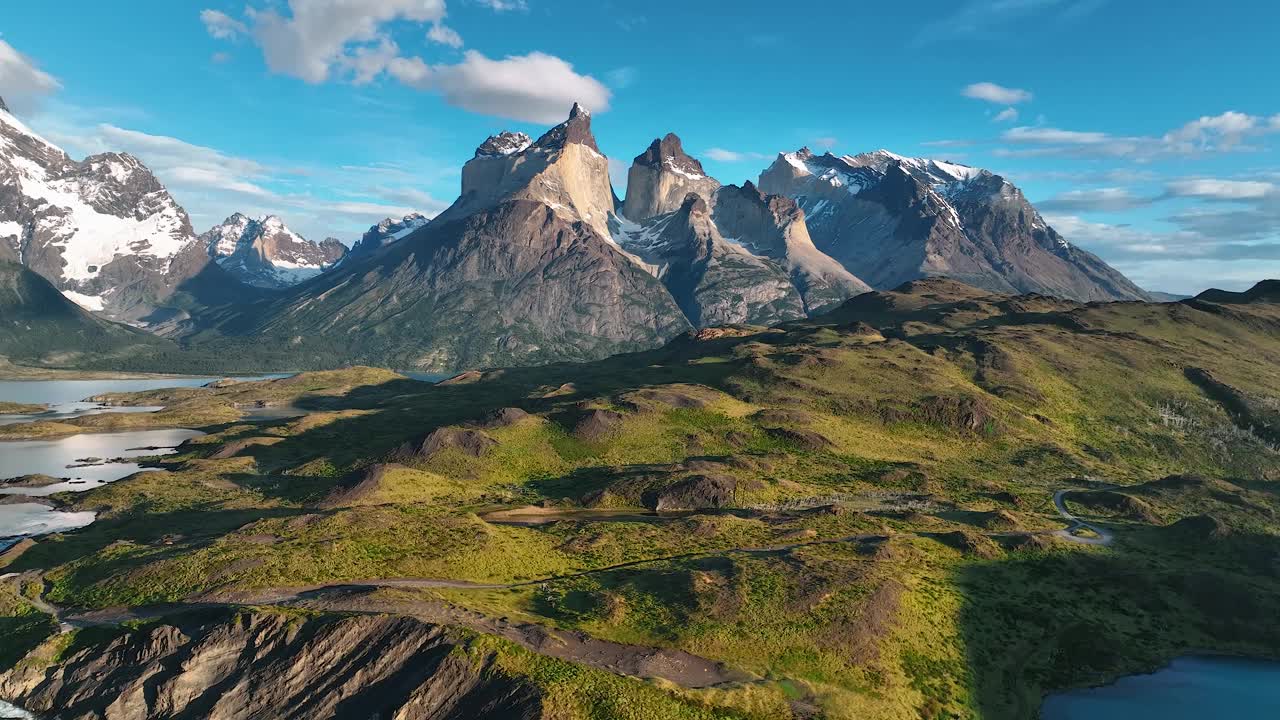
pixel 1104 537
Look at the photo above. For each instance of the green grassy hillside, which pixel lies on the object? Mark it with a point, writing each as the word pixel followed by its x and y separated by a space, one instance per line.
pixel 858 511
pixel 39 326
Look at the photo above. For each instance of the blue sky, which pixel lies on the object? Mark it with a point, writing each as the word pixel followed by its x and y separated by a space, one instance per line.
pixel 1148 132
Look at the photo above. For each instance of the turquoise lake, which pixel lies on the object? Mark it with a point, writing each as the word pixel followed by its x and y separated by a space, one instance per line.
pixel 1190 688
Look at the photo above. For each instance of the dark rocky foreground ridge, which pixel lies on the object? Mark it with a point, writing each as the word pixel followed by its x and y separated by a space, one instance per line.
pixel 273 665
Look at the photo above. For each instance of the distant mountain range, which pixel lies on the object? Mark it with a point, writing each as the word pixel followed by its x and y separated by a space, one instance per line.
pixel 537 260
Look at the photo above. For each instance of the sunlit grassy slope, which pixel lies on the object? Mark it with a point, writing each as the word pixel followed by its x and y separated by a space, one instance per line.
pixel 861 505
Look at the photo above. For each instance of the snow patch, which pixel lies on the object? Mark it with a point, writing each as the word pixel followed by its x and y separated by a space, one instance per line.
pixel 92 303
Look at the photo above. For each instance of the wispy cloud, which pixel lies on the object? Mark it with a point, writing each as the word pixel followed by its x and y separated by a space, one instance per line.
pixel 732 156
pixel 1008 114
pixel 222 26
pixel 504 5
pixel 1098 200
pixel 23 85
pixel 980 18
pixel 997 94
pixel 1211 133
pixel 1214 189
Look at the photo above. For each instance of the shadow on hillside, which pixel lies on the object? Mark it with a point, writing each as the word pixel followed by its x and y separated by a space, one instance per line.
pixel 1038 622
pixel 165 535
pixel 399 411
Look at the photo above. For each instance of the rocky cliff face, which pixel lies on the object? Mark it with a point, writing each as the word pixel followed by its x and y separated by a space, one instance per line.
pixel 563 169
pixel 733 247
pixel 889 219
pixel 521 269
pixel 661 177
pixel 273 666
pixel 265 253
pixel 103 230
pixel 774 227
pixel 516 283
pixel 715 282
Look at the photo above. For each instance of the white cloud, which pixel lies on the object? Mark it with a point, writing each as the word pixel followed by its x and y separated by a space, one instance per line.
pixel 994 93
pixel 536 87
pixel 722 155
pixel 1211 133
pixel 1212 189
pixel 1009 114
pixel 445 35
pixel 1225 130
pixel 23 85
pixel 212 184
pixel 221 25
pixel 321 39
pixel 181 163
pixel 825 143
pixel 1055 135
pixel 320 35
pixel 367 62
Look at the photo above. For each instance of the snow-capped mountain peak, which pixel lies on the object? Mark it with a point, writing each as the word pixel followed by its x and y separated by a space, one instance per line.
pixel 504 143
pixel 264 252
pixel 889 218
pixel 103 228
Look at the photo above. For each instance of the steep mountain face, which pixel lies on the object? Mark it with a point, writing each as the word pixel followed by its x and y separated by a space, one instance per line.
pixel 715 282
pixel 661 177
pixel 755 230
pixel 265 253
pixel 563 169
pixel 387 232
pixel 517 271
pixel 39 324
pixel 103 230
pixel 889 219
pixel 773 226
pixel 517 283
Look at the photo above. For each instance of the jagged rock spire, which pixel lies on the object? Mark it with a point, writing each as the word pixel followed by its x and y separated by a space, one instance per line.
pixel 504 143
pixel 577 129
pixel 669 150
pixel 661 177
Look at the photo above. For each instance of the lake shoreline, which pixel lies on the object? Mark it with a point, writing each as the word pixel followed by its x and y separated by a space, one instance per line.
pixel 1086 693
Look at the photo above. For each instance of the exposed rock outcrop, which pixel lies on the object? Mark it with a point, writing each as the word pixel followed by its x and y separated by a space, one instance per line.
pixel 695 493
pixel 268 665
pixel 715 282
pixel 773 226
